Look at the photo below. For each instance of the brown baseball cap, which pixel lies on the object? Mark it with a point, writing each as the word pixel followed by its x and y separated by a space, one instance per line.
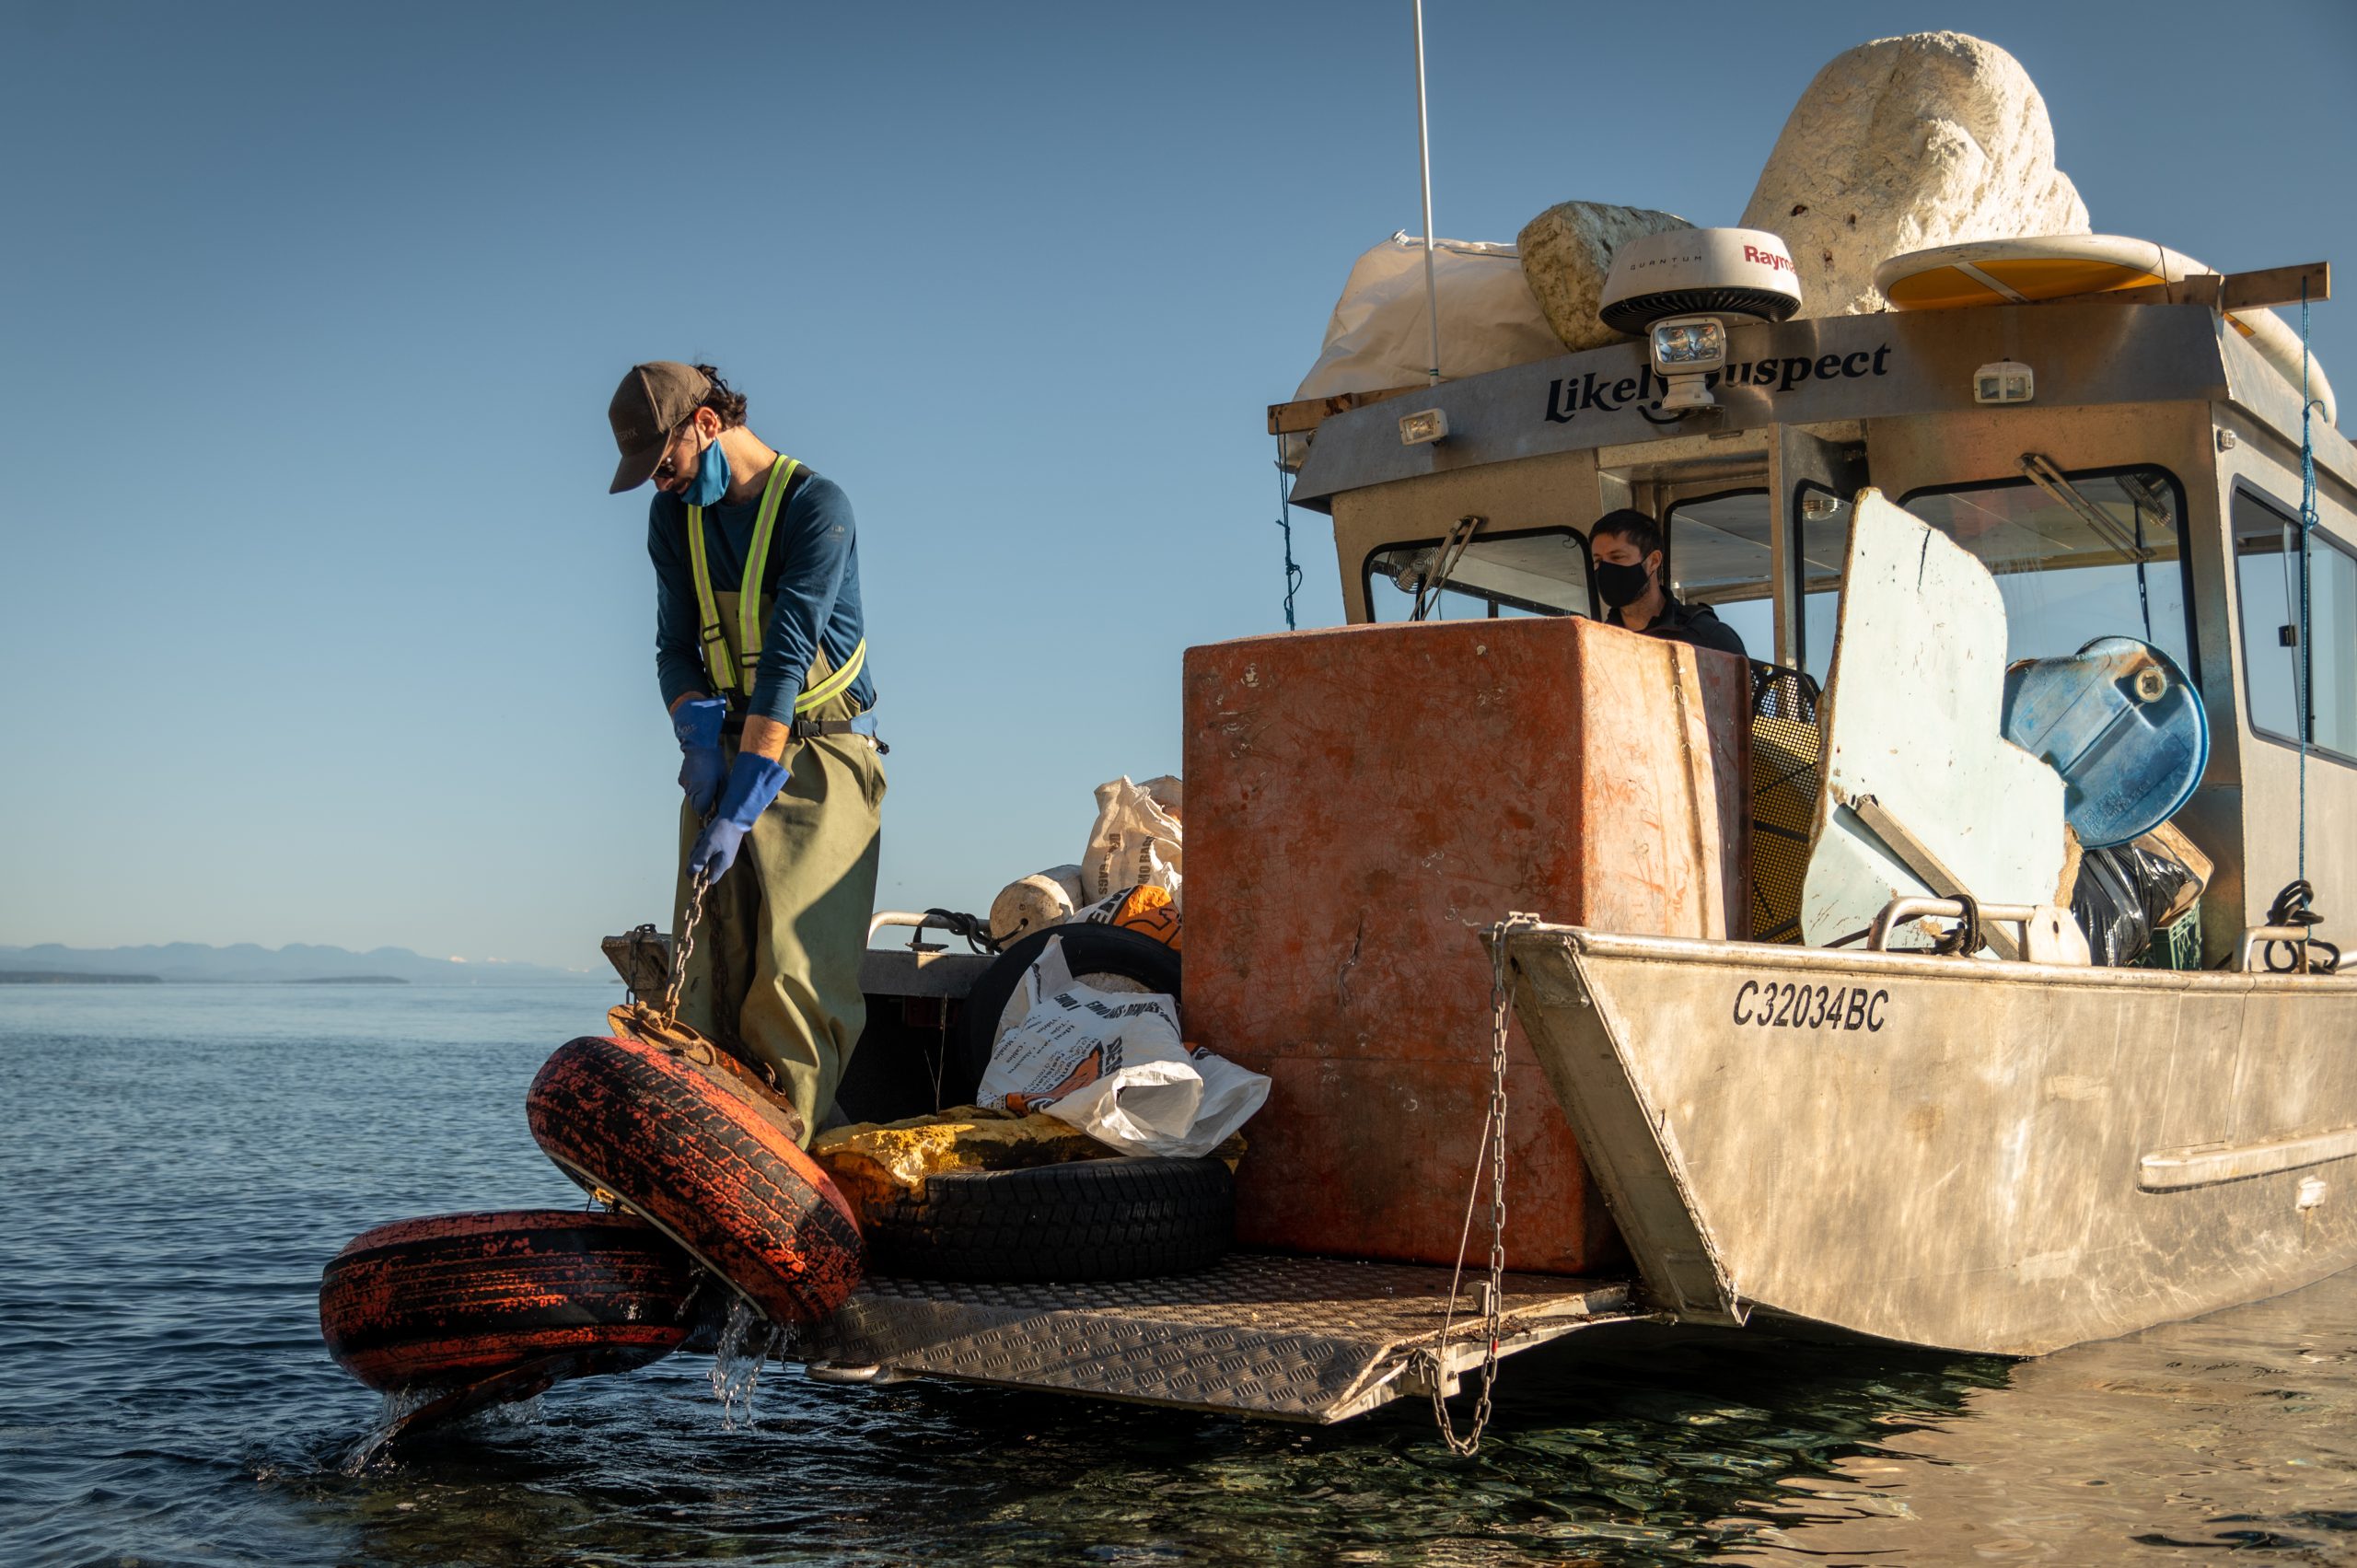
pixel 653 400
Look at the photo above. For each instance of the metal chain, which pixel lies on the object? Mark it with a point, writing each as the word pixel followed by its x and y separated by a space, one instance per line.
pixel 696 890
pixel 1494 1146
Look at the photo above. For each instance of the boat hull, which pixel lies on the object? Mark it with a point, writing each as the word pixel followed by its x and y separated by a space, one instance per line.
pixel 2002 1158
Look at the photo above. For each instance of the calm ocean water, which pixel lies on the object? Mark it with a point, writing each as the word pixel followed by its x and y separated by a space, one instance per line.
pixel 180 1161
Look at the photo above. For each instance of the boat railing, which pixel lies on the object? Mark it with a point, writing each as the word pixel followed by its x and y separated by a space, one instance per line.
pixel 1902 909
pixel 2256 940
pixel 2249 953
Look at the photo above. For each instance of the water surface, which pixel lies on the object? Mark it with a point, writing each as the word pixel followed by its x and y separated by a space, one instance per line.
pixel 181 1161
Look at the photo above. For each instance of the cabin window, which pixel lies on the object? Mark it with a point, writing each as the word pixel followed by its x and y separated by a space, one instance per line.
pixel 1528 572
pixel 2266 585
pixel 2087 555
pixel 1824 519
pixel 1718 555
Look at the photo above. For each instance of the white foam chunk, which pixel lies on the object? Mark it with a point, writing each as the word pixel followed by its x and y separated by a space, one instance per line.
pixel 1904 144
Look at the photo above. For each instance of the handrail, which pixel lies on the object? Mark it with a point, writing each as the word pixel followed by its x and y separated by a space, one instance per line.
pixel 2258 936
pixel 900 917
pixel 1903 908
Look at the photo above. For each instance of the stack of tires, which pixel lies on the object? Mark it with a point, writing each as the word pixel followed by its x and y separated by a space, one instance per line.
pixel 465 1310
pixel 706 1166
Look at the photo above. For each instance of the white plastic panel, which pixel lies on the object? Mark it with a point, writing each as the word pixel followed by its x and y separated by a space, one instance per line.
pixel 1914 719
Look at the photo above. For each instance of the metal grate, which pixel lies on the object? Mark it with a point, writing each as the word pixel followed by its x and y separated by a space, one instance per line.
pixel 1787 771
pixel 1302 1338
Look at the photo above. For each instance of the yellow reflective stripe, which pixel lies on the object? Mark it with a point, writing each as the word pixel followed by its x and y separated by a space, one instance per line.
pixel 714 641
pixel 749 600
pixel 835 685
pixel 748 604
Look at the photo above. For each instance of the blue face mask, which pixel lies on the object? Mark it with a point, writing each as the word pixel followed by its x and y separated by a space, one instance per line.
pixel 712 479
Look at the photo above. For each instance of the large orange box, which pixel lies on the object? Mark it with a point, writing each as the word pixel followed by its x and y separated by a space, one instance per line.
pixel 1360 803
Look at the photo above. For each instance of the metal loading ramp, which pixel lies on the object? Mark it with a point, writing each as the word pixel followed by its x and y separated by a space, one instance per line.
pixel 1296 1338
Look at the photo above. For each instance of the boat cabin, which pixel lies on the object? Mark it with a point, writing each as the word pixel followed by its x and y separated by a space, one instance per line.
pixel 2120 470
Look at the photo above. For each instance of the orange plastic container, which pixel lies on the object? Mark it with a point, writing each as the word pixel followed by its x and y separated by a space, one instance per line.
pixel 1360 803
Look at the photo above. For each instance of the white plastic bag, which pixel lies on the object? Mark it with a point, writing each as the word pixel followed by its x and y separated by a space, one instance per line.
pixel 1114 1064
pixel 1134 843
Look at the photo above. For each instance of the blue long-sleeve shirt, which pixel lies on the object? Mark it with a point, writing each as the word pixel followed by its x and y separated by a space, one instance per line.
pixel 812 571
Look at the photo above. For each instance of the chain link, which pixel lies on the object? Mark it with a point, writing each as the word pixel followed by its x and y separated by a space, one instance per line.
pixel 1492 1154
pixel 696 890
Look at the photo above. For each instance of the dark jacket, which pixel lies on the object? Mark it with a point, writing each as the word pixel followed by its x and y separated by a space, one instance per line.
pixel 812 571
pixel 1695 623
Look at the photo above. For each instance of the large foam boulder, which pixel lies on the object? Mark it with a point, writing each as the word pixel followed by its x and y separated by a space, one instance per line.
pixel 1906 142
pixel 1566 255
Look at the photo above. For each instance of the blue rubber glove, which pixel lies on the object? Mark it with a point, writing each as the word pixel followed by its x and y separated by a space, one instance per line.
pixel 753 783
pixel 702 768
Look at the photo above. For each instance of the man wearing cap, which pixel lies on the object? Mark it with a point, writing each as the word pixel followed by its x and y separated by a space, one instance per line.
pixel 762 653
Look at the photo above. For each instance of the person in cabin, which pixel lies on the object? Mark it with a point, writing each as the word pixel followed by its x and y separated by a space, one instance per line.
pixel 760 652
pixel 1627 548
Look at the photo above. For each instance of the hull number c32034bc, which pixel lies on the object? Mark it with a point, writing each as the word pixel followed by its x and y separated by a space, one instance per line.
pixel 1780 1004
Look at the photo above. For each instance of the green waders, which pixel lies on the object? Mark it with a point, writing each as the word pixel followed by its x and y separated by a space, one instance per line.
pixel 775 975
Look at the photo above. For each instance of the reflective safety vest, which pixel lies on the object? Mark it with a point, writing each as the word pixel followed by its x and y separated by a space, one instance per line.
pixel 734 668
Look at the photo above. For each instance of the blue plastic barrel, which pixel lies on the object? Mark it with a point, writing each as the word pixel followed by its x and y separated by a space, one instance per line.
pixel 2123 725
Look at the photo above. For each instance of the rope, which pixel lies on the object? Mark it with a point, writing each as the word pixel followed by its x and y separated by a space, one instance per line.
pixel 2292 907
pixel 973 928
pixel 1966 937
pixel 2307 527
pixel 1284 521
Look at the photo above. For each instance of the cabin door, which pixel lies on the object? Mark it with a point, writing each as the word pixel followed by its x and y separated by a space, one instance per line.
pixel 1814 484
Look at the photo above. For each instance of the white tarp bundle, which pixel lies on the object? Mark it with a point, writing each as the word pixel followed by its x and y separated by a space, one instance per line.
pixel 1114 1064
pixel 1380 335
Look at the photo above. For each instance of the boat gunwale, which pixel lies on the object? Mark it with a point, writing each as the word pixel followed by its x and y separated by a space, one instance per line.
pixel 1926 966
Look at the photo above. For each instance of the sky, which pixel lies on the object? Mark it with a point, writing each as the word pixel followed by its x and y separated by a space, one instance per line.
pixel 316 622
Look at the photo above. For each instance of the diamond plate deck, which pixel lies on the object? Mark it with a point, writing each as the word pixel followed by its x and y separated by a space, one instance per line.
pixel 1299 1338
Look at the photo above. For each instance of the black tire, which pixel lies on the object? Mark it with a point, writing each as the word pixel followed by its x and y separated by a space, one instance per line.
pixel 463 1300
pixel 1099 1219
pixel 1089 949
pixel 710 1161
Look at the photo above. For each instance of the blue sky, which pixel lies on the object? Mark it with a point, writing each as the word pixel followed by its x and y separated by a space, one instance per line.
pixel 319 623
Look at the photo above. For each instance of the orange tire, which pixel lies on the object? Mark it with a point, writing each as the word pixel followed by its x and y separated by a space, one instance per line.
pixel 707 1159
pixel 461 1298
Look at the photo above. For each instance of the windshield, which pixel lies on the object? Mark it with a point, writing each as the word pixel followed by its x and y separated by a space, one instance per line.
pixel 1535 571
pixel 2094 555
pixel 1718 556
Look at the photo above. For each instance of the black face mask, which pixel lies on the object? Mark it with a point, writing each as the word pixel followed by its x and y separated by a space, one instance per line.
pixel 1622 586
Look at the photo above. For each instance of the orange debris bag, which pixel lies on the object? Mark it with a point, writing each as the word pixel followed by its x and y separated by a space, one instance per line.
pixel 1146 910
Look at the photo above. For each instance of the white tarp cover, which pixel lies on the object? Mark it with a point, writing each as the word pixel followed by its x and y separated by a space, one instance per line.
pixel 1380 337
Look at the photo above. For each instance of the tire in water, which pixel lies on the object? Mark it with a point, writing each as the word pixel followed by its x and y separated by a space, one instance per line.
pixel 461 1298
pixel 709 1160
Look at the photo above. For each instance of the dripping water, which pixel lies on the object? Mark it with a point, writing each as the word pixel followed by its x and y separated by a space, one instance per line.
pixel 399 1406
pixel 746 1342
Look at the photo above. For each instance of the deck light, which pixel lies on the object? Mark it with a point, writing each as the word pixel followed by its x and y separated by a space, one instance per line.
pixel 1424 426
pixel 1687 349
pixel 1680 290
pixel 2006 381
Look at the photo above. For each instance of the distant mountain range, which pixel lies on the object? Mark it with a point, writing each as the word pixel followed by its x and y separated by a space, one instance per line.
pixel 247 961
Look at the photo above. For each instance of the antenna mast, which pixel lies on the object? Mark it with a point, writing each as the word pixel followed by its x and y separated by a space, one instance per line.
pixel 1425 155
